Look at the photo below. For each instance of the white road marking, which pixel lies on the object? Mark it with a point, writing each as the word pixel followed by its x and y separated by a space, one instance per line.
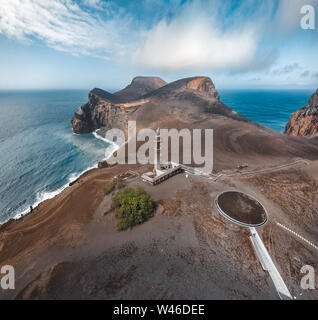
pixel 297 235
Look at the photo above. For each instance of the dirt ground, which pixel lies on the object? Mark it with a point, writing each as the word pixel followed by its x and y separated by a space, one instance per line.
pixel 69 248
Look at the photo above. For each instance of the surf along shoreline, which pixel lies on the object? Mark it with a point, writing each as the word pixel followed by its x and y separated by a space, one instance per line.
pixel 72 179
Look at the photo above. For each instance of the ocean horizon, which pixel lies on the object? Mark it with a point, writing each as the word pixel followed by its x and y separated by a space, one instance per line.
pixel 40 154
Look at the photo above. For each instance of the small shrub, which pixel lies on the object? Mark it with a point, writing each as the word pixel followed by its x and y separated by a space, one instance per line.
pixel 116 182
pixel 109 187
pixel 132 206
pixel 120 183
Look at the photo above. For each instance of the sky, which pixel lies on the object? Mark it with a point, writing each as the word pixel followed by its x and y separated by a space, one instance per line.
pixel 239 44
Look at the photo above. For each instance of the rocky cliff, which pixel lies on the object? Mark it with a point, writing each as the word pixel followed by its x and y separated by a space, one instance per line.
pixel 106 110
pixel 70 248
pixel 99 111
pixel 304 122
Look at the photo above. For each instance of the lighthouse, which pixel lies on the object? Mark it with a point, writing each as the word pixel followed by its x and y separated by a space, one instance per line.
pixel 157 153
pixel 161 171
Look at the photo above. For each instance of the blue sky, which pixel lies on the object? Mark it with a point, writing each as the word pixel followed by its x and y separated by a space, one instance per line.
pixel 63 44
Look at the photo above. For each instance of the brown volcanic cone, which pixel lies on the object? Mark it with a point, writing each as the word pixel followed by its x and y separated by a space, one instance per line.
pixel 140 86
pixel 70 248
pixel 194 103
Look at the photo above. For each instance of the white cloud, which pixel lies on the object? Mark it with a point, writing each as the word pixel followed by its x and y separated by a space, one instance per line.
pixel 187 44
pixel 207 36
pixel 198 39
pixel 62 25
pixel 97 4
pixel 92 3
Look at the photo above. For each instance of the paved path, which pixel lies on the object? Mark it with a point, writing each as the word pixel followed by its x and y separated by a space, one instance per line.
pixel 268 265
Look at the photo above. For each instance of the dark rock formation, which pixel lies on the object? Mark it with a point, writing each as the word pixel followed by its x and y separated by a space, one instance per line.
pixel 194 103
pixel 304 122
pixel 105 164
pixel 99 111
pixel 73 182
pixel 106 110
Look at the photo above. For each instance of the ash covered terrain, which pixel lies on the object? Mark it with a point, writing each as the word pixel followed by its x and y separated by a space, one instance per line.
pixel 70 248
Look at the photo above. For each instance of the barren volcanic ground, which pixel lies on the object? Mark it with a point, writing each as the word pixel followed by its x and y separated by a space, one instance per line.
pixel 69 247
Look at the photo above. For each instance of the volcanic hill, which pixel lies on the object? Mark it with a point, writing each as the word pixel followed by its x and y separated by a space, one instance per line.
pixel 69 246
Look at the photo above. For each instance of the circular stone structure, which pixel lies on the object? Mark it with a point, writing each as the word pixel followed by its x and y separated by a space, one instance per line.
pixel 241 209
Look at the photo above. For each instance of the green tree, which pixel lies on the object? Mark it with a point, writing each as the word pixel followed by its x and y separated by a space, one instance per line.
pixel 132 206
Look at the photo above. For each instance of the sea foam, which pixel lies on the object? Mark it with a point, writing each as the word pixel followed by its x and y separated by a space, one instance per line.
pixel 46 195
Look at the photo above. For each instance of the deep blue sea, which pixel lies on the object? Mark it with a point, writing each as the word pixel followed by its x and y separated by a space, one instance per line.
pixel 40 155
pixel 271 109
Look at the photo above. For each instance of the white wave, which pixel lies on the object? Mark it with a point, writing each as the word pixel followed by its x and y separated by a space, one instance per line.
pixel 46 195
pixel 100 137
pixel 40 197
pixel 113 146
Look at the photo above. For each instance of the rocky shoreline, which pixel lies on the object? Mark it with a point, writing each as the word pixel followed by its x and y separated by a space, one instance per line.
pixel 70 248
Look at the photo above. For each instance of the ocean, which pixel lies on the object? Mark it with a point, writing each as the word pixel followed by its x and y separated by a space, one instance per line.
pixel 40 155
pixel 272 109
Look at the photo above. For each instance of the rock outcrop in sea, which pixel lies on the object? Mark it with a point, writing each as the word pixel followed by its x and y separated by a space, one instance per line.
pixel 76 251
pixel 106 110
pixel 304 122
pixel 192 103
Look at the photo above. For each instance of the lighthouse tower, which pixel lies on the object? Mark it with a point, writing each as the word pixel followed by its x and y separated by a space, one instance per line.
pixel 157 153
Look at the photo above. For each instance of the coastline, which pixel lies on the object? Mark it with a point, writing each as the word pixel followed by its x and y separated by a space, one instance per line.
pixel 72 240
pixel 40 196
pixel 73 177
